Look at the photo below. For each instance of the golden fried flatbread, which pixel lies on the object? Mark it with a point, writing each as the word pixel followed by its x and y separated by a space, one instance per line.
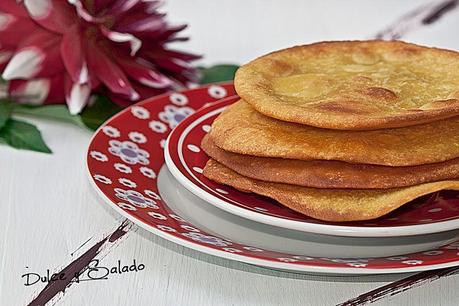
pixel 329 174
pixel 354 85
pixel 241 129
pixel 327 204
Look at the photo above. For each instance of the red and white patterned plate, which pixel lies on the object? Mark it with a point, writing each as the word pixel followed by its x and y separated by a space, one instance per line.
pixel 126 154
pixel 429 214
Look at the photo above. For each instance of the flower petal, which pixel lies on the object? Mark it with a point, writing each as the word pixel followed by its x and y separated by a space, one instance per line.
pixel 16 27
pixel 77 97
pixel 167 53
pixel 73 55
pixel 6 20
pixel 108 72
pixel 118 6
pixel 143 91
pixel 37 56
pixel 24 64
pixel 4 57
pixel 56 91
pixel 134 42
pixel 14 8
pixel 83 12
pixel 31 92
pixel 38 9
pixel 140 20
pixel 143 72
pixel 54 15
pixel 43 91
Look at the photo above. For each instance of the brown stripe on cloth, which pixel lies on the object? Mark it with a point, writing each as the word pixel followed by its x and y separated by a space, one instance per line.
pixel 79 265
pixel 440 10
pixel 400 286
pixel 422 16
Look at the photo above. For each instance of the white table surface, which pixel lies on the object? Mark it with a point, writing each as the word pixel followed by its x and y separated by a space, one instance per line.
pixel 47 207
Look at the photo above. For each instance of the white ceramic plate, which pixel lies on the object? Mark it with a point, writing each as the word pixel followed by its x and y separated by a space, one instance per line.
pixel 124 161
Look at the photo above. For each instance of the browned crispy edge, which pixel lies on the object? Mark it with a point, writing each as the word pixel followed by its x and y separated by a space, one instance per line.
pixel 284 195
pixel 329 174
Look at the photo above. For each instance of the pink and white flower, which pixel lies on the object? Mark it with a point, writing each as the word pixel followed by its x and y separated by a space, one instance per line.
pixel 56 51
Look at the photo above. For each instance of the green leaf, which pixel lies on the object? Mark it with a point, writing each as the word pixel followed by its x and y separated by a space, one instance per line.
pixel 5 112
pixel 23 135
pixel 217 73
pixel 56 112
pixel 96 114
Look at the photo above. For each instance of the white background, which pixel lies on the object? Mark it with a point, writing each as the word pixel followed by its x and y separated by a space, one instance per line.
pixel 47 209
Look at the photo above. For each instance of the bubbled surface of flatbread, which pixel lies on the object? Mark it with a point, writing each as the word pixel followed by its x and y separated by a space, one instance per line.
pixel 330 174
pixel 334 205
pixel 241 129
pixel 353 85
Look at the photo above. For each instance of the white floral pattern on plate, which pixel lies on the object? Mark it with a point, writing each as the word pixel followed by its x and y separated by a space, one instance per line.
pixel 148 172
pixel 140 112
pixel 98 156
pixel 178 99
pixel 137 137
pixel 157 126
pixel 207 239
pixel 129 152
pixel 110 131
pixel 102 179
pixel 217 92
pixel 174 115
pixel 122 168
pixel 135 198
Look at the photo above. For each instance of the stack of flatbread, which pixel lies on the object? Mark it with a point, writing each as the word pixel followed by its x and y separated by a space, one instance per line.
pixel 341 131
